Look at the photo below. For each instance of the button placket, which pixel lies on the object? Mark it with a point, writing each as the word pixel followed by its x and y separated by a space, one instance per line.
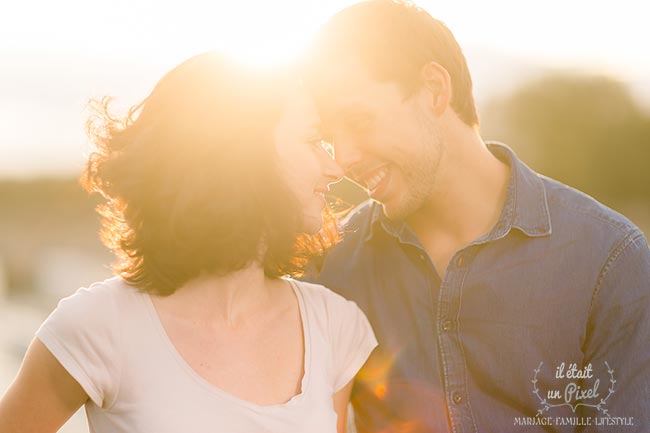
pixel 450 344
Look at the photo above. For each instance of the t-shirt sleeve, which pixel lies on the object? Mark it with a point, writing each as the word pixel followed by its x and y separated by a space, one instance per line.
pixel 353 341
pixel 83 333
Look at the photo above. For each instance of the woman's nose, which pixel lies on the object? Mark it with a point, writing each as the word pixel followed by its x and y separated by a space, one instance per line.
pixel 331 169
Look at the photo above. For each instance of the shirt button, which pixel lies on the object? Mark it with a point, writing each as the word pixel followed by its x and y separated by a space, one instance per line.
pixel 457 397
pixel 447 325
pixel 422 257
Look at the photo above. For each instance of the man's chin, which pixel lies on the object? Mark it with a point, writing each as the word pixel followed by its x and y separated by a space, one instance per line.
pixel 398 210
pixel 391 211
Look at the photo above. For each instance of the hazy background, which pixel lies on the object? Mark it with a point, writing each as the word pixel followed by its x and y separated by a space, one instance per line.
pixel 565 83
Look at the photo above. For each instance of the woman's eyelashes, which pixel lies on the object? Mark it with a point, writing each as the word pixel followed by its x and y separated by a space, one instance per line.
pixel 321 144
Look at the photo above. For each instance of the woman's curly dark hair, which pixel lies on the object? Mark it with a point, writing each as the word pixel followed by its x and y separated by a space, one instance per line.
pixel 189 179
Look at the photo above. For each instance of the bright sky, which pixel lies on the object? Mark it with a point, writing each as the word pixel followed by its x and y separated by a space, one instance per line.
pixel 137 40
pixel 581 31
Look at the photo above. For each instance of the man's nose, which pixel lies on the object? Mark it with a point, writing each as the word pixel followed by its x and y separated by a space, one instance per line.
pixel 346 153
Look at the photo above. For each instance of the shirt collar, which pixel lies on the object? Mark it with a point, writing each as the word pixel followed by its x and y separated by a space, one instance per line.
pixel 525 207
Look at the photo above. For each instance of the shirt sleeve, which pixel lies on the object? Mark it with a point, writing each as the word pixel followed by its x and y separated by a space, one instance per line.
pixel 83 334
pixel 618 334
pixel 353 341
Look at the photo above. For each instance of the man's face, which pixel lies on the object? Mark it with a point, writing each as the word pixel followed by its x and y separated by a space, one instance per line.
pixel 385 142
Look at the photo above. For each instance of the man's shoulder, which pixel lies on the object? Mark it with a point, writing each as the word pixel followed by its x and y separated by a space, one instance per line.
pixel 575 211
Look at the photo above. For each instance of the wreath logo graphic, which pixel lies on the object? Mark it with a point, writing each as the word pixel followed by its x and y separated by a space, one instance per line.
pixel 600 406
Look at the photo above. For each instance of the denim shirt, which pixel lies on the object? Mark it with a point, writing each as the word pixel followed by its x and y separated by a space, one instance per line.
pixel 554 297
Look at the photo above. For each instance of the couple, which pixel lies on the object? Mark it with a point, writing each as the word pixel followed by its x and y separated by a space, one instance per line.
pixel 480 278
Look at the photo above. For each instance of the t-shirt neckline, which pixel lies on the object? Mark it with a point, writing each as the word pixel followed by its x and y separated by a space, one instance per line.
pixel 160 329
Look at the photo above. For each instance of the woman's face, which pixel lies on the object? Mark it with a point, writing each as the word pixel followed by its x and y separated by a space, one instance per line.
pixel 305 164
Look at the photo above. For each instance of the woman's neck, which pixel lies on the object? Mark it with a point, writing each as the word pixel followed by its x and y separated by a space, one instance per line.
pixel 224 300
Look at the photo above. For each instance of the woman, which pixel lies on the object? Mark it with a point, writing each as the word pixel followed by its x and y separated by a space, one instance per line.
pixel 214 190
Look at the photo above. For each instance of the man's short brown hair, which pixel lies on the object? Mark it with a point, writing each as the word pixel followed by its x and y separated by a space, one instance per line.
pixel 394 39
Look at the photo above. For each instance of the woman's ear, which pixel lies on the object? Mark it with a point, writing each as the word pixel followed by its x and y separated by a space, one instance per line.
pixel 437 82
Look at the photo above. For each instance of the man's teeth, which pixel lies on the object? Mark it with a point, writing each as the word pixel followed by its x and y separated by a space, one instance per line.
pixel 374 180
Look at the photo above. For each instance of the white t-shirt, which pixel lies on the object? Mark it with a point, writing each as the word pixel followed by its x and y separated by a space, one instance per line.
pixel 110 339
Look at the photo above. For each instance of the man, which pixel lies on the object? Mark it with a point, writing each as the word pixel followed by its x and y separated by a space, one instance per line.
pixel 502 300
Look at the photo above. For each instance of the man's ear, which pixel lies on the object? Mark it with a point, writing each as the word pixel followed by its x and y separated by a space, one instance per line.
pixel 437 81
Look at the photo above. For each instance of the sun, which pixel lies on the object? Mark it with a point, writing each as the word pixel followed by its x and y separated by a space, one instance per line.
pixel 273 52
pixel 266 33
